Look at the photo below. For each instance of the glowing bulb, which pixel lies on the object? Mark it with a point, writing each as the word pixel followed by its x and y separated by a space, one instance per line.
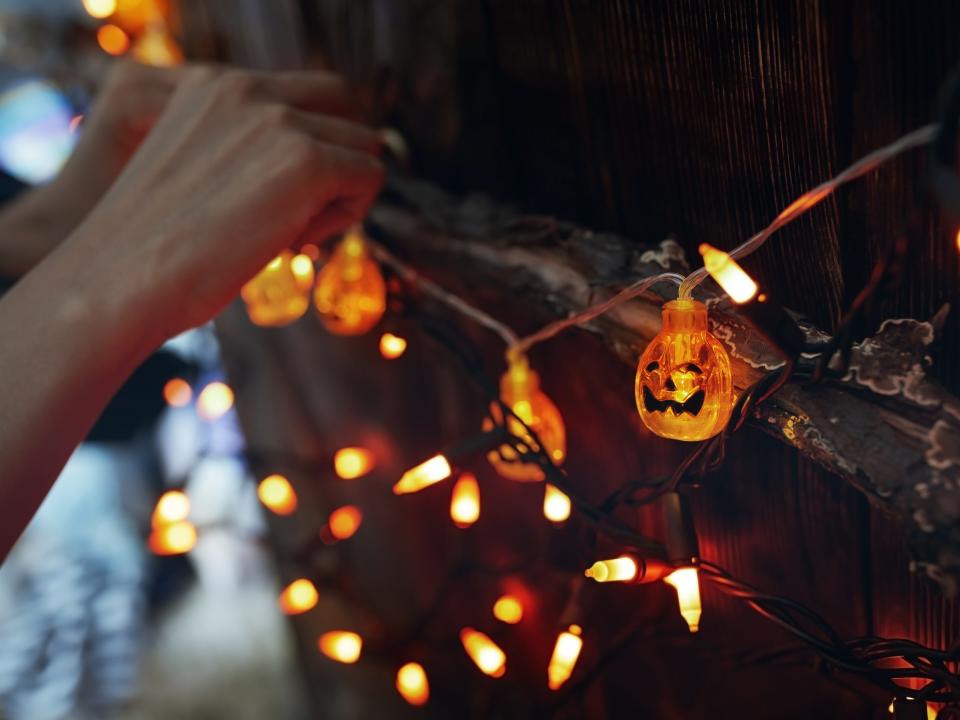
pixel 100 9
pixel 728 274
pixel 621 569
pixel 687 583
pixel 520 390
pixel 175 538
pixel 423 475
pixel 392 346
pixel 341 645
pixel 508 609
pixel 350 463
pixel 564 658
pixel 214 401
pixel 684 386
pixel 556 505
pixel 465 501
pixel 156 47
pixel 344 522
pixel 958 240
pixel 412 684
pixel 485 653
pixel 298 597
pixel 138 15
pixel 351 295
pixel 311 251
pixel 277 494
pixel 177 392
pixel 173 506
pixel 113 40
pixel 280 293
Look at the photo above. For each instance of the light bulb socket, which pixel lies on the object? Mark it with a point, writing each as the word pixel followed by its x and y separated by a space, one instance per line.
pixel 681 536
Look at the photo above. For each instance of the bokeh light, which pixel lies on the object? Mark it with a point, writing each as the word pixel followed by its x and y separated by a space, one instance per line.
pixel 214 401
pixel 350 463
pixel 277 494
pixel 344 522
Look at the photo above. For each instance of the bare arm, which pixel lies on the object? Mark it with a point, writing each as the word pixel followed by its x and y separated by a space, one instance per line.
pixel 238 167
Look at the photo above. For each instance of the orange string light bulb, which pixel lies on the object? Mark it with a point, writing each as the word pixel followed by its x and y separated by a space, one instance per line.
pixel 728 274
pixel 520 390
pixel 173 506
pixel 564 658
pixel 484 652
pixel 277 494
pixel 345 521
pixel 508 609
pixel 100 9
pixel 687 584
pixel 621 569
pixel 350 463
pixel 392 346
pixel 424 475
pixel 341 645
pixel 298 597
pixel 465 501
pixel 156 47
pixel 412 684
pixel 556 504
pixel 684 387
pixel 280 293
pixel 175 538
pixel 351 295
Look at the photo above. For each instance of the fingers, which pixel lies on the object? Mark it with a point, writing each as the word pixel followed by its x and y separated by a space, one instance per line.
pixel 336 131
pixel 314 91
pixel 352 180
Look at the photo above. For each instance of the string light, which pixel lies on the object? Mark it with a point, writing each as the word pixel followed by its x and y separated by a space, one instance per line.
pixel 350 295
pixel 684 386
pixel 345 521
pixel 564 658
pixel 341 645
pixel 156 47
pixel 728 274
pixel 412 684
pixel 508 609
pixel 687 584
pixel 556 504
pixel 277 494
pixel 175 538
pixel 298 597
pixel 465 501
pixel 350 463
pixel 484 652
pixel 424 475
pixel 520 390
pixel 113 40
pixel 100 9
pixel 173 506
pixel 214 401
pixel 620 569
pixel 280 293
pixel 177 392
pixel 392 346
pixel 957 240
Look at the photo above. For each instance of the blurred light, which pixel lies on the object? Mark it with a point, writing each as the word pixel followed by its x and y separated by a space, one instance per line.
pixel 958 240
pixel 214 401
pixel 156 47
pixel 35 135
pixel 100 9
pixel 173 539
pixel 302 267
pixel 728 274
pixel 485 653
pixel 508 609
pixel 350 463
pixel 687 583
pixel 345 521
pixel 173 506
pixel 177 392
pixel 465 501
pixel 113 40
pixel 392 346
pixel 75 122
pixel 311 251
pixel 621 569
pixel 341 645
pixel 556 505
pixel 423 475
pixel 412 684
pixel 277 494
pixel 564 658
pixel 298 597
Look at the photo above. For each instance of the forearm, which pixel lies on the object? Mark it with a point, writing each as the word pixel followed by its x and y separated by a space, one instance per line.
pixel 69 339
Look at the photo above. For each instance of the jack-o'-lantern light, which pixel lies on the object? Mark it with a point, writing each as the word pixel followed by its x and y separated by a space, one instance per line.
pixel 520 390
pixel 351 295
pixel 280 293
pixel 684 388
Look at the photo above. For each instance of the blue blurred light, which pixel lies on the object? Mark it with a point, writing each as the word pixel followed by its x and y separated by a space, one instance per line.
pixel 35 134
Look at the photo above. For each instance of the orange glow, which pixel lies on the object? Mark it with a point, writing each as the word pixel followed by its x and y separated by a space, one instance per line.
pixel 564 658
pixel 508 609
pixel 621 569
pixel 807 200
pixel 351 295
pixel 174 539
pixel 280 293
pixel 298 597
pixel 156 47
pixel 277 494
pixel 687 583
pixel 173 506
pixel 484 652
pixel 392 346
pixel 423 475
pixel 341 645
pixel 412 684
pixel 465 501
pixel 556 505
pixel 214 401
pixel 311 251
pixel 958 240
pixel 350 463
pixel 113 40
pixel 100 9
pixel 177 392
pixel 138 15
pixel 728 274
pixel 345 521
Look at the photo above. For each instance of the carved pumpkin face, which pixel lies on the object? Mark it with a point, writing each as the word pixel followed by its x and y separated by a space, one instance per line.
pixel 684 389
